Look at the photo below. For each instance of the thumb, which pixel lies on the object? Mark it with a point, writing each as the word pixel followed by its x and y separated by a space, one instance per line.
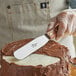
pixel 51 24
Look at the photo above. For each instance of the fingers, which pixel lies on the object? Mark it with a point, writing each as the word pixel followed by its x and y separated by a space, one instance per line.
pixel 50 28
pixel 70 24
pixel 61 25
pixel 51 24
pixel 60 31
pixel 57 26
pixel 67 25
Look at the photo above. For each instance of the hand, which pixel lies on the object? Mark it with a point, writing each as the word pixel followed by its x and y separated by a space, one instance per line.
pixel 63 24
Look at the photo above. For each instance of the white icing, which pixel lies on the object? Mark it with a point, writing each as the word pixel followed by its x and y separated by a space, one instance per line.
pixel 33 59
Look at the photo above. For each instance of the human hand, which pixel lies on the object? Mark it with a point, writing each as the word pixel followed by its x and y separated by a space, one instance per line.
pixel 63 24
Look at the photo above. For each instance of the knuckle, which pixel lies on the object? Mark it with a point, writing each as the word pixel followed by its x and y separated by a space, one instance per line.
pixel 62 14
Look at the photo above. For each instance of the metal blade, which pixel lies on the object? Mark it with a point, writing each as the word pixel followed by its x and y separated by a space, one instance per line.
pixel 31 47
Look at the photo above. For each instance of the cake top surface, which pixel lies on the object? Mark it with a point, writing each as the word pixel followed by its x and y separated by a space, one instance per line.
pixel 52 48
pixel 50 53
pixel 33 59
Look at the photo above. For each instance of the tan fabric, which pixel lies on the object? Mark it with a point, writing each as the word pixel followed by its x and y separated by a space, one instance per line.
pixel 25 18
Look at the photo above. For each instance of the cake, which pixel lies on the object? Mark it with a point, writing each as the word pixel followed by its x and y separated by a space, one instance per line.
pixel 50 60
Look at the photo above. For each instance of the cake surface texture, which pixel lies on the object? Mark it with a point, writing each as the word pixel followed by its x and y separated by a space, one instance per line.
pixel 50 60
